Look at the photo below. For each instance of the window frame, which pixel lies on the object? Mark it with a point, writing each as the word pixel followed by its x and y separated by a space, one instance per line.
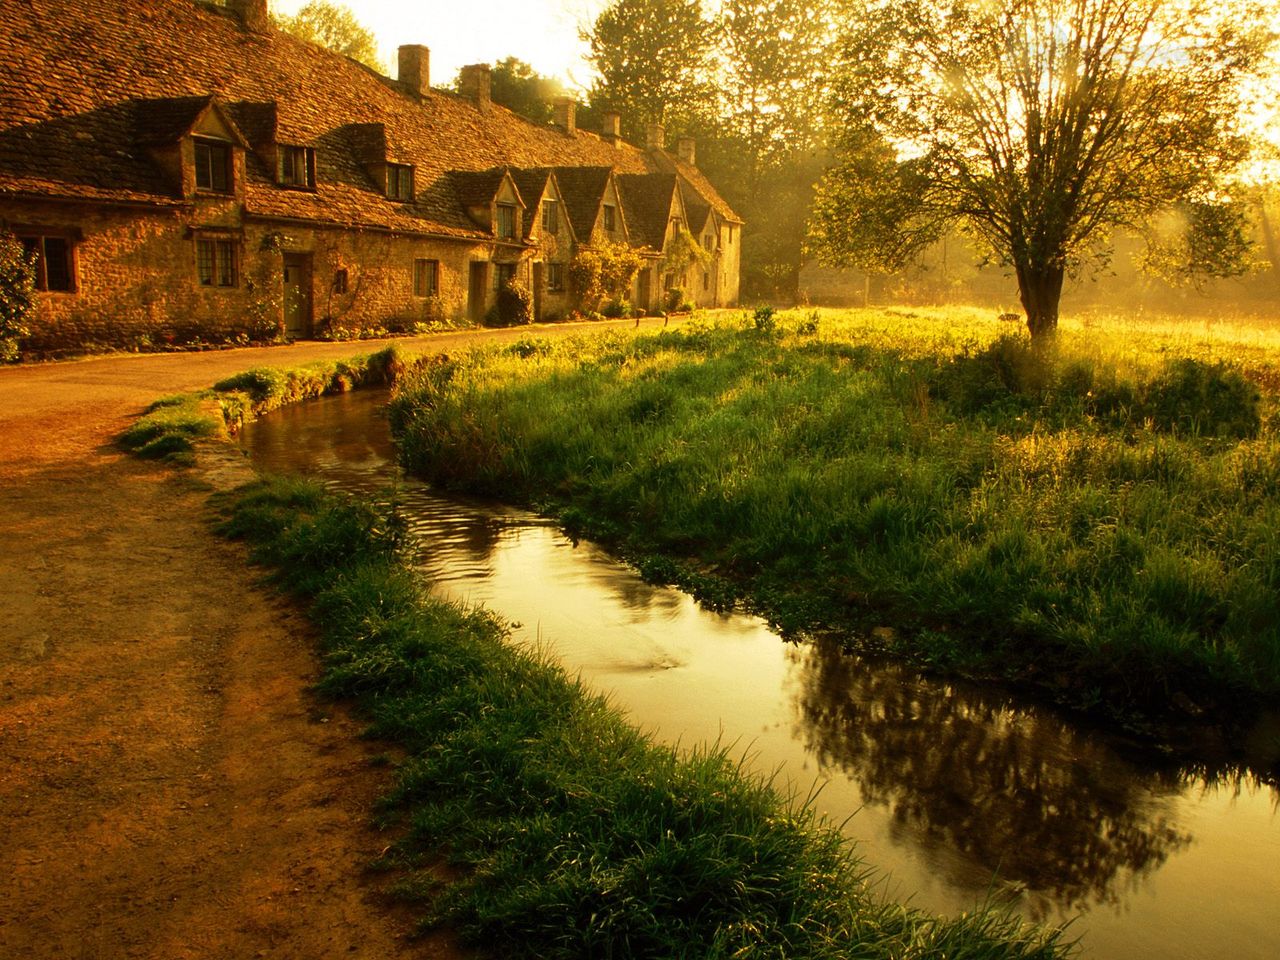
pixel 210 148
pixel 400 175
pixel 37 241
pixel 555 277
pixel 505 230
pixel 503 272
pixel 426 277
pixel 550 216
pixel 223 262
pixel 289 155
pixel 341 280
pixel 610 219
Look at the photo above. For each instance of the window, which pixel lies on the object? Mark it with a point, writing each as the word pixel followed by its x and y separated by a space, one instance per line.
pixel 676 225
pixel 610 218
pixel 213 166
pixel 503 273
pixel 550 217
pixel 399 181
pixel 55 269
pixel 709 243
pixel 216 262
pixel 298 167
pixel 426 278
pixel 555 276
pixel 706 280
pixel 340 281
pixel 506 221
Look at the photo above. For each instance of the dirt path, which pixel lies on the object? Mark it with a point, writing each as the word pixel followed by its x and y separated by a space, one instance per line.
pixel 168 786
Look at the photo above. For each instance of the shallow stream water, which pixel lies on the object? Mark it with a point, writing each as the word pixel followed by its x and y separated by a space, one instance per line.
pixel 952 792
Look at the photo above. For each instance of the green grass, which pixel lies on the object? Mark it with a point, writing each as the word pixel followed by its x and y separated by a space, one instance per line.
pixel 1101 519
pixel 574 835
pixel 170 427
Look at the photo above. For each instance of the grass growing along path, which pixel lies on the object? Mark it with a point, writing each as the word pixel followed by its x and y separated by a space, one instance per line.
pixel 1101 519
pixel 577 835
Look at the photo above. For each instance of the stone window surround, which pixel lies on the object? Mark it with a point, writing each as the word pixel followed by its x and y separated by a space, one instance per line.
pixel 297 167
pixel 505 223
pixel 550 216
pixel 555 277
pixel 212 156
pixel 426 277
pixel 217 259
pixel 61 251
pixel 400 181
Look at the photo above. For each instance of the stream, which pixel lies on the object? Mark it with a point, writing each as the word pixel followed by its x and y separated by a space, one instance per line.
pixel 952 792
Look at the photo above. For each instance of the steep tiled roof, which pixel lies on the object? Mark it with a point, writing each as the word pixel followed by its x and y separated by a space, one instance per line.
pixel 647 198
pixel 531 183
pixel 583 189
pixel 84 84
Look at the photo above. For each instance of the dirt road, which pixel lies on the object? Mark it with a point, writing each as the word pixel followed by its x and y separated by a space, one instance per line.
pixel 168 786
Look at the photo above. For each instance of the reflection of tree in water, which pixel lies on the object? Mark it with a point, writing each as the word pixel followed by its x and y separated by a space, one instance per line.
pixel 1016 791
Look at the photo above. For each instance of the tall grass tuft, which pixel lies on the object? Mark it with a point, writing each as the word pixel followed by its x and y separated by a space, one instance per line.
pixel 574 835
pixel 1098 518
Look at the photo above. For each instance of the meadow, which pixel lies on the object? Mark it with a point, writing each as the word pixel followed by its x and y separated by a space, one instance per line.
pixel 1100 518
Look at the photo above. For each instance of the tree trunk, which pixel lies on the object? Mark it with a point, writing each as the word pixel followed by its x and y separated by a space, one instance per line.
pixel 1040 288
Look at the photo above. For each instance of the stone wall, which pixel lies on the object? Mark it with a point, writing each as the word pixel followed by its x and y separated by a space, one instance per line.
pixel 137 285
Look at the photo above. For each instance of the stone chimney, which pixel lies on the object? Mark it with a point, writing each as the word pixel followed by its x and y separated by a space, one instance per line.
pixel 252 13
pixel 415 68
pixel 686 150
pixel 474 84
pixel 655 135
pixel 566 114
pixel 611 127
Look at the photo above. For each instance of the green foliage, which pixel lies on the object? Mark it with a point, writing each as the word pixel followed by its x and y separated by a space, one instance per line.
pixel 170 428
pixel 335 27
pixel 1112 510
pixel 513 307
pixel 17 295
pixel 574 835
pixel 1039 127
pixel 602 273
pixel 518 87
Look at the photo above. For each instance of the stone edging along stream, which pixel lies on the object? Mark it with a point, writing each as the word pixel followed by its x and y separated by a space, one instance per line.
pixel 577 835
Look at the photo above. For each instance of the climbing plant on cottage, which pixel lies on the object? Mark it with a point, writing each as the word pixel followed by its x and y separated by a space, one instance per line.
pixel 17 294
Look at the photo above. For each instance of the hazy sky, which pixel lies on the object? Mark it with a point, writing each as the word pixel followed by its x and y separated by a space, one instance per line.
pixel 543 33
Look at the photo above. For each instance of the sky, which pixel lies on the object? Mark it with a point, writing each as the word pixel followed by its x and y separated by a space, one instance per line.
pixel 543 33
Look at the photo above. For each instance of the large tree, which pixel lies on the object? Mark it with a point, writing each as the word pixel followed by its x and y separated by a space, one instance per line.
pixel 654 61
pixel 335 27
pixel 1037 125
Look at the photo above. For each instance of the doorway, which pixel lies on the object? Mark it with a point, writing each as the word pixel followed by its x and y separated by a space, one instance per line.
pixel 478 288
pixel 537 292
pixel 297 295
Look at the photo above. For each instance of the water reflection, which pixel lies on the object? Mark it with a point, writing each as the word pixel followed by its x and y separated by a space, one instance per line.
pixel 1048 808
pixel 950 783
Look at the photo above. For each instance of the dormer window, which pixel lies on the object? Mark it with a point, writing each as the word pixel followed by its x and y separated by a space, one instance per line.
pixel 399 181
pixel 610 218
pixel 213 166
pixel 550 217
pixel 298 167
pixel 506 221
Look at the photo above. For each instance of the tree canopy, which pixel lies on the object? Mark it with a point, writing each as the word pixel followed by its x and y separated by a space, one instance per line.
pixel 518 87
pixel 336 28
pixel 1038 126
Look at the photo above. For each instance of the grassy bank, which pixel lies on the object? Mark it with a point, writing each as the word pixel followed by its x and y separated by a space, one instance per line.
pixel 576 836
pixel 170 427
pixel 1101 519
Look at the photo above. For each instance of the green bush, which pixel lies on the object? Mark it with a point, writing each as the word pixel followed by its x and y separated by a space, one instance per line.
pixel 514 306
pixel 17 295
pixel 1203 399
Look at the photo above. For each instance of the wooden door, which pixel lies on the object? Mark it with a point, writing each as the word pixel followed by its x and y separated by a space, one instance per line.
pixel 297 295
pixel 478 288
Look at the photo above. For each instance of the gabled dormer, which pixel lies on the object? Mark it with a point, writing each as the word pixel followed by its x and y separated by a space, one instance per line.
pixel 546 221
pixel 197 145
pixel 493 202
pixel 593 203
pixel 655 209
pixel 387 167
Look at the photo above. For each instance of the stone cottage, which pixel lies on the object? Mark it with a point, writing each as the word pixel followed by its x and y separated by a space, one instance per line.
pixel 183 170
